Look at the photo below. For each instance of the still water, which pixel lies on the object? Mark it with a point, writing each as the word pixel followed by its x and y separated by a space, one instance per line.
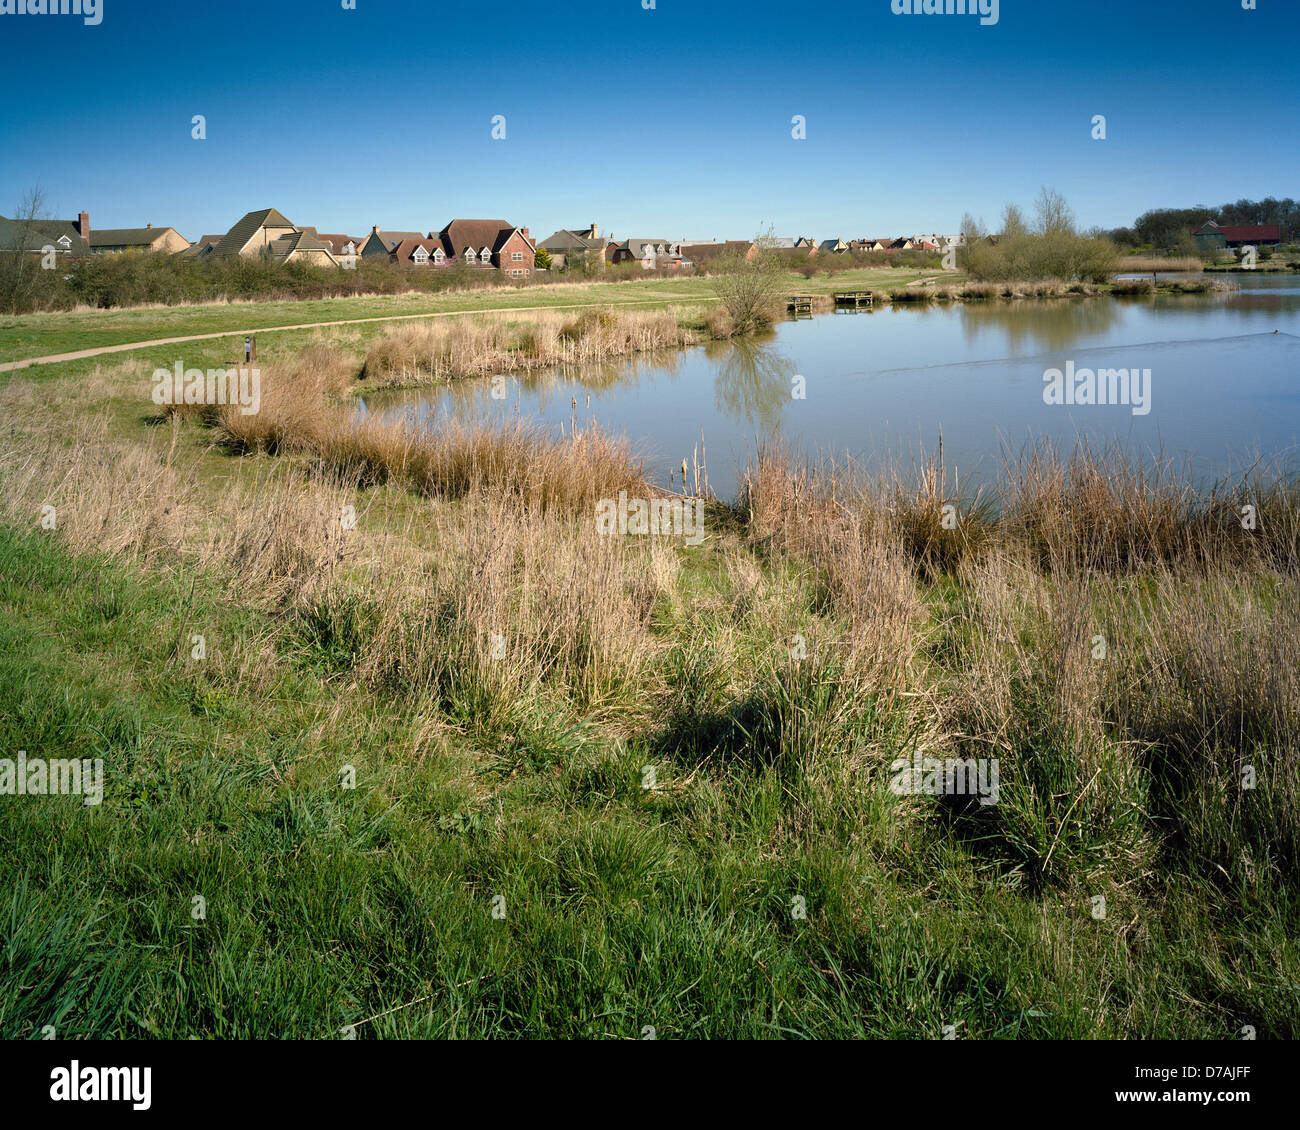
pixel 1223 387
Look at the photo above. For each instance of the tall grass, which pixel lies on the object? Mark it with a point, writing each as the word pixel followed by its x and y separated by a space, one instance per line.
pixel 300 414
pixel 451 349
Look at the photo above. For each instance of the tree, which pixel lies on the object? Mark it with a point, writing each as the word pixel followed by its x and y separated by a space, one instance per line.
pixel 972 229
pixel 1013 222
pixel 1052 213
pixel 749 286
pixel 22 259
pixel 542 260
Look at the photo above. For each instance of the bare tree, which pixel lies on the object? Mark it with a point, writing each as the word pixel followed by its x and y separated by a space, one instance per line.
pixel 1052 213
pixel 750 283
pixel 21 245
pixel 1013 222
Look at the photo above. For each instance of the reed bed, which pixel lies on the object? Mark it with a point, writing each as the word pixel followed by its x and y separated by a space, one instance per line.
pixel 301 414
pixel 1088 510
pixel 460 348
pixel 1183 264
pixel 977 291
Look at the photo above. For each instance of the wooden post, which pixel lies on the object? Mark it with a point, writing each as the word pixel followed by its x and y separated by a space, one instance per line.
pixel 250 349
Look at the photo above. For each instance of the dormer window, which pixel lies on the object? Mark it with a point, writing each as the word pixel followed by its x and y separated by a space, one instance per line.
pixel 485 256
pixel 469 255
pixel 64 242
pixel 438 256
pixel 421 256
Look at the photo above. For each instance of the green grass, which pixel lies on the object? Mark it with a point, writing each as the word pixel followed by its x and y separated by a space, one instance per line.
pixel 623 908
pixel 35 335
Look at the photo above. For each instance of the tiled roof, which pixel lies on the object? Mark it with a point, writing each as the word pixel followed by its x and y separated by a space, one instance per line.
pixel 124 237
pixel 237 237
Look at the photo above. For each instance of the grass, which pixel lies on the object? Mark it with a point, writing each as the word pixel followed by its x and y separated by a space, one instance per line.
pixel 35 335
pixel 503 685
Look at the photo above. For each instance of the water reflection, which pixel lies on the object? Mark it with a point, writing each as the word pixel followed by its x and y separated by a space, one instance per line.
pixel 753 383
pixel 1225 379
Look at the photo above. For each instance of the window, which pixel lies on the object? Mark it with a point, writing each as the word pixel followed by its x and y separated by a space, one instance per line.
pixel 438 256
pixel 469 255
pixel 64 241
pixel 421 256
pixel 516 256
pixel 516 274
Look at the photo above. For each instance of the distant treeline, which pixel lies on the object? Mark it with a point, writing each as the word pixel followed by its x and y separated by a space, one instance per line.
pixel 1170 229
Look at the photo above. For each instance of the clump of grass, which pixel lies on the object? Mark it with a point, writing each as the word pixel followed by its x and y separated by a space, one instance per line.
pixel 1109 511
pixel 1133 287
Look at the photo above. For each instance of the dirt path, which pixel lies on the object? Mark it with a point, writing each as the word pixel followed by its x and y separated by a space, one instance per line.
pixel 127 347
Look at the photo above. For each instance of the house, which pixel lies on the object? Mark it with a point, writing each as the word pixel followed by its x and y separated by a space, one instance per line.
pixel 267 233
pixel 650 253
pixel 1212 236
pixel 201 248
pixel 490 243
pixel 384 242
pixel 148 238
pixel 699 253
pixel 567 244
pixel 67 237
pixel 902 244
pixel 301 246
pixel 253 234
pixel 426 252
pixel 340 245
pixel 833 246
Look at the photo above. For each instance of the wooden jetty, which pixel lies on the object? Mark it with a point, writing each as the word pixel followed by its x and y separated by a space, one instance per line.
pixel 800 303
pixel 854 298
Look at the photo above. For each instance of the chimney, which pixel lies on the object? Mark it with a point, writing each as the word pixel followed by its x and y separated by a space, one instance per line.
pixel 83 226
pixel 595 234
pixel 526 236
pixel 374 229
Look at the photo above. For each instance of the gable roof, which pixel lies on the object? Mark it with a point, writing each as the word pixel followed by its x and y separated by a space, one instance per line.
pixel 337 242
pixel 567 240
pixel 35 234
pixel 126 237
pixel 280 249
pixel 238 237
pixel 492 234
pixel 201 248
pixel 405 250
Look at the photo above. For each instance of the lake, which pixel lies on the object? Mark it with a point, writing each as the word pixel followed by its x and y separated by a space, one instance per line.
pixel 881 385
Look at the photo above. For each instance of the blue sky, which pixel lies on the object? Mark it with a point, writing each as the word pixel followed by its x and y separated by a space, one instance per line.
pixel 672 122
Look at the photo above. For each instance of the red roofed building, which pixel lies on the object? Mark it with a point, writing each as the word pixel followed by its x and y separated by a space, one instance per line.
pixel 1211 235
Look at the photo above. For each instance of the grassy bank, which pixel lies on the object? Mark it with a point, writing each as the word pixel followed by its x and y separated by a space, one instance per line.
pixel 611 783
pixel 34 335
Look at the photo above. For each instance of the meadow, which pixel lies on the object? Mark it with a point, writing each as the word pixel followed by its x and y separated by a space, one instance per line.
pixel 397 744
